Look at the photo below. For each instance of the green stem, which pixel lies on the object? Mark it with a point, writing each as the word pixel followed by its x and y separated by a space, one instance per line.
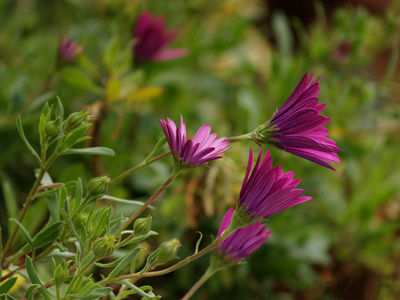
pixel 143 164
pixel 178 265
pixel 173 175
pixel 199 283
pixel 241 138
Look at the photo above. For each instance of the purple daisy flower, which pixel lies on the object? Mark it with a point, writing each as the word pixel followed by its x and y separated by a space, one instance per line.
pixel 151 39
pixel 243 241
pixel 193 152
pixel 267 191
pixel 68 50
pixel 298 126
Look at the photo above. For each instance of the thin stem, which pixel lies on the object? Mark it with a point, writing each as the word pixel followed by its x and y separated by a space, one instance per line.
pixel 178 265
pixel 173 175
pixel 240 138
pixel 199 283
pixel 138 167
pixel 28 202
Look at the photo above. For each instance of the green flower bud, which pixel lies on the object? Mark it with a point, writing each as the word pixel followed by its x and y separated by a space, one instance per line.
pixel 76 119
pixel 97 187
pixel 168 252
pixel 51 129
pixel 142 226
pixel 104 246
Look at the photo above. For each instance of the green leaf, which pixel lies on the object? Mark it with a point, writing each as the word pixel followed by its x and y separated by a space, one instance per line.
pixel 133 202
pixel 110 53
pixel 10 198
pixel 157 147
pixel 90 151
pixel 52 203
pixel 198 242
pixel 48 192
pixel 140 290
pixel 43 98
pixel 97 293
pixel 36 280
pixel 59 111
pixel 125 261
pixel 70 224
pixel 81 79
pixel 46 236
pixel 149 260
pixel 30 292
pixel 73 137
pixel 27 236
pixel 22 134
pixel 78 194
pixel 6 286
pixel 87 259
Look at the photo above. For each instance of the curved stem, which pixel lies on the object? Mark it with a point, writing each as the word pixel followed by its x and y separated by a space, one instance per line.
pixel 173 175
pixel 178 265
pixel 138 167
pixel 199 283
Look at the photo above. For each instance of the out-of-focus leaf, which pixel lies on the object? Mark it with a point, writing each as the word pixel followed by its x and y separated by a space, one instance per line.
pixel 10 198
pixel 79 78
pixel 97 293
pixel 30 292
pixel 6 286
pixel 90 151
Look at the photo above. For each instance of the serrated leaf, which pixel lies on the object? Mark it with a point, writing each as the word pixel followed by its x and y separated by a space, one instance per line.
pixel 72 138
pixel 25 140
pixel 6 286
pixel 36 280
pixel 90 151
pixel 125 261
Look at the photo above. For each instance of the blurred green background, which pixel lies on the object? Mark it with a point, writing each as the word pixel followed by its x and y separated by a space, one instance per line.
pixel 244 59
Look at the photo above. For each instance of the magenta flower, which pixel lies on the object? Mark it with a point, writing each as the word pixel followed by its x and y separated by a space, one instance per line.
pixel 68 49
pixel 151 39
pixel 298 126
pixel 267 191
pixel 193 152
pixel 243 241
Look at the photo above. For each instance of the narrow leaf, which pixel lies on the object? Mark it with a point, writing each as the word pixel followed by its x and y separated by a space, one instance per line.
pixel 46 236
pixel 52 203
pixel 198 242
pixel 27 144
pixel 73 137
pixel 157 147
pixel 36 280
pixel 133 202
pixel 26 234
pixel 78 78
pixel 125 261
pixel 90 151
pixel 149 260
pixel 6 286
pixel 59 110
pixel 30 292
pixel 97 293
pixel 138 290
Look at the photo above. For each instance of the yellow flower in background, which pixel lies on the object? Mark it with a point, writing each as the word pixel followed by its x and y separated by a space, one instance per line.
pixel 145 93
pixel 20 281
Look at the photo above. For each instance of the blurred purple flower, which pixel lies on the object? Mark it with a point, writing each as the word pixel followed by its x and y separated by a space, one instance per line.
pixel 298 126
pixel 68 50
pixel 267 191
pixel 243 241
pixel 151 39
pixel 190 153
pixel 342 52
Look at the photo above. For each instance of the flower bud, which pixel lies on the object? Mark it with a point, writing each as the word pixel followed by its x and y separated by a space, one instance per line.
pixel 168 252
pixel 97 187
pixel 104 246
pixel 142 226
pixel 76 119
pixel 68 50
pixel 51 129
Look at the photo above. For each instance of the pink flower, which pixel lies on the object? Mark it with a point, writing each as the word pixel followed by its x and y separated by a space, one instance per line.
pixel 298 126
pixel 68 50
pixel 151 39
pixel 243 241
pixel 267 191
pixel 193 152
